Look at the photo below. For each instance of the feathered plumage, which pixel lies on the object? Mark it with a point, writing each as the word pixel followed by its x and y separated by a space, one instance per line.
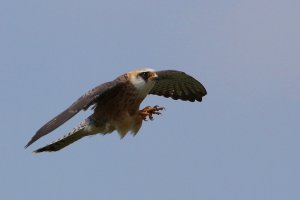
pixel 116 104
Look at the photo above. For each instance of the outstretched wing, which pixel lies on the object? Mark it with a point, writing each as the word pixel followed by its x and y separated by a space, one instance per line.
pixel 178 85
pixel 83 103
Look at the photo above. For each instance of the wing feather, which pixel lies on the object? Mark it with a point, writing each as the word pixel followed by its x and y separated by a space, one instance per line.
pixel 178 85
pixel 83 103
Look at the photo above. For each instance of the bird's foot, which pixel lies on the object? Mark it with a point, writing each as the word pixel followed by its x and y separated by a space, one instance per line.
pixel 149 111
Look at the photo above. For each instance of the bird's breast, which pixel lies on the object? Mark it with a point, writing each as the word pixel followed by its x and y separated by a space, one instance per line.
pixel 119 104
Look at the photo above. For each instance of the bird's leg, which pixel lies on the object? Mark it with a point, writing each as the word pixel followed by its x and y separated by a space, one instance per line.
pixel 149 111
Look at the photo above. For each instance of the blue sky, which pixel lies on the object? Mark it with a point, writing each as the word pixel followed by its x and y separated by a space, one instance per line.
pixel 241 142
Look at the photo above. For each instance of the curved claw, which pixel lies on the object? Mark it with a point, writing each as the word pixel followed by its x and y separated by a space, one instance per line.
pixel 150 111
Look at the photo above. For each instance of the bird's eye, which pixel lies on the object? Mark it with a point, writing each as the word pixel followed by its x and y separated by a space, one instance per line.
pixel 144 75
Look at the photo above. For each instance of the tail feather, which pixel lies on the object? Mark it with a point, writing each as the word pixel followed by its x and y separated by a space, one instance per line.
pixel 77 133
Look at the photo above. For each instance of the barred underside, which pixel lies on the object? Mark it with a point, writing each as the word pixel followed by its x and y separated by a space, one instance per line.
pixel 77 133
pixel 178 85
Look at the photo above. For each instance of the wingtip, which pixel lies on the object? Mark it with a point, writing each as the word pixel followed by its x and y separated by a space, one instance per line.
pixel 33 139
pixel 28 144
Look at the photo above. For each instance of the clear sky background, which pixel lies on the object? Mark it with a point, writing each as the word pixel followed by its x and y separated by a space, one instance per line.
pixel 241 142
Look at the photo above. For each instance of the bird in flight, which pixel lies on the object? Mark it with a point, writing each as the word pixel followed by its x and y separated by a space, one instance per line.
pixel 116 105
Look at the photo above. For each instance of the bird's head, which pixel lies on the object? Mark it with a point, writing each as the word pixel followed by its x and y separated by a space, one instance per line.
pixel 143 79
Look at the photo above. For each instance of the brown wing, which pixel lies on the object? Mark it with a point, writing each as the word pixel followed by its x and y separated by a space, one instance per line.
pixel 83 103
pixel 178 85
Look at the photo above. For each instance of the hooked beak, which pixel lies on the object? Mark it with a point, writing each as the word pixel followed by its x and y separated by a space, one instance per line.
pixel 153 77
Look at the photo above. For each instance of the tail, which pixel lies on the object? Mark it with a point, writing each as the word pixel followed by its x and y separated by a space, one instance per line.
pixel 77 133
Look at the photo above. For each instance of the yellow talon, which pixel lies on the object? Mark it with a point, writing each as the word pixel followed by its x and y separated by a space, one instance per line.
pixel 150 111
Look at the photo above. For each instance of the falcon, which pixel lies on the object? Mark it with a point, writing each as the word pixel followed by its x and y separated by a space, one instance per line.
pixel 116 105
